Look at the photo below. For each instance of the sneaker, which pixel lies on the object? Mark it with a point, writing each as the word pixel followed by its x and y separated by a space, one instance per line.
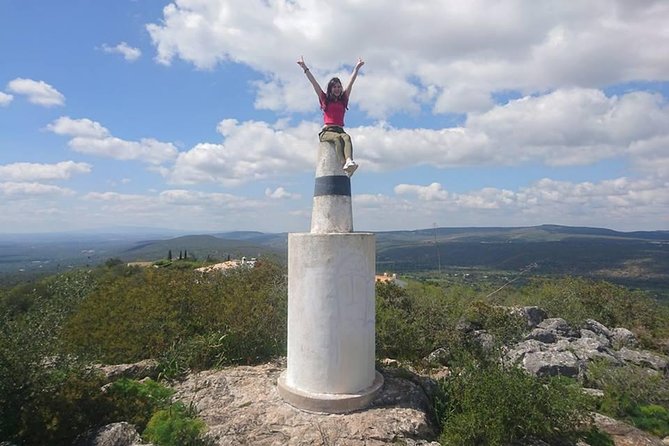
pixel 350 167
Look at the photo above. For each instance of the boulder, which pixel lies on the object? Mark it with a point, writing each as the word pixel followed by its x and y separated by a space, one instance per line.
pixel 622 337
pixel 559 326
pixel 534 316
pixel 585 333
pixel 643 359
pixel 147 368
pixel 241 405
pixel 593 348
pixel 542 335
pixel 623 434
pixel 115 434
pixel 597 328
pixel 552 363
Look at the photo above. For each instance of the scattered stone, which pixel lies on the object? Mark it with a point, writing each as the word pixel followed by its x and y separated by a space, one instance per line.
pixel 115 434
pixel 439 356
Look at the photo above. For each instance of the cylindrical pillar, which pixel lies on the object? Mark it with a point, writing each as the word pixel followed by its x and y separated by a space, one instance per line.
pixel 331 322
pixel 331 210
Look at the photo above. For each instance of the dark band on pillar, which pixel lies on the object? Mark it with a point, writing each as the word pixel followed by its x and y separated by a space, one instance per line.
pixel 332 185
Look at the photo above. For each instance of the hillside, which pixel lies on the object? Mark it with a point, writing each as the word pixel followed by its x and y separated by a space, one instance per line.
pixel 637 259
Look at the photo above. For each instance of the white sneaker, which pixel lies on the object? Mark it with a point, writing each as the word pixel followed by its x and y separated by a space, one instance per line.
pixel 350 167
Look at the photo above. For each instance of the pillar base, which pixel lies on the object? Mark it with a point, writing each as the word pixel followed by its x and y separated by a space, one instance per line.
pixel 329 402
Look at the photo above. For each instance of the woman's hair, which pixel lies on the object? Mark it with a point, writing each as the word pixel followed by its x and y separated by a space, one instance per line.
pixel 329 97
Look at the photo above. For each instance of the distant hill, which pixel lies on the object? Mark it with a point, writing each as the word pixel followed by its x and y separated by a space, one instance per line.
pixel 639 258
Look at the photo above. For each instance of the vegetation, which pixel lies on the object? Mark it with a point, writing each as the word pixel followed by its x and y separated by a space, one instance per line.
pixel 52 329
pixel 484 402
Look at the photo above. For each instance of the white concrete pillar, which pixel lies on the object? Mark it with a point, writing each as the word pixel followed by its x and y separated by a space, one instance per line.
pixel 332 211
pixel 331 302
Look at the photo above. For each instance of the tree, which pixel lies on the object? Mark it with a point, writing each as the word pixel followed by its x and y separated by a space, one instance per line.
pixel 169 255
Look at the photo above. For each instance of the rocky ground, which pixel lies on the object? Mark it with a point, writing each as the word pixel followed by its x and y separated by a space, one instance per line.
pixel 241 405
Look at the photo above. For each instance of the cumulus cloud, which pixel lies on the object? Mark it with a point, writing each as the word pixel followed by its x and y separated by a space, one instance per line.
pixel 12 190
pixel 41 172
pixel 280 193
pixel 5 99
pixel 37 92
pixel 92 138
pixel 250 151
pixel 129 53
pixel 615 201
pixel 459 55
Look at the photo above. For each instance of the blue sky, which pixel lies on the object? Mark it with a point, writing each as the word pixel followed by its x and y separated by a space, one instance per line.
pixel 193 115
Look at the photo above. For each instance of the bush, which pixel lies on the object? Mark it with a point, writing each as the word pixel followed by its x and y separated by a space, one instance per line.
pixel 175 426
pixel 578 299
pixel 162 313
pixel 651 418
pixel 136 402
pixel 484 402
pixel 632 393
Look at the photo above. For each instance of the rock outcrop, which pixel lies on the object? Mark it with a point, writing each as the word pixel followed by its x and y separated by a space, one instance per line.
pixel 241 406
pixel 115 434
pixel 554 347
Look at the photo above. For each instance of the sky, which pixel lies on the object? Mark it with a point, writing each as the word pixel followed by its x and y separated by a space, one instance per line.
pixel 193 114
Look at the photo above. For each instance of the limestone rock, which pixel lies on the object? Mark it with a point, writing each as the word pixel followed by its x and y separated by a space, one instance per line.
pixel 623 434
pixel 597 327
pixel 147 368
pixel 115 434
pixel 643 359
pixel 542 335
pixel 241 405
pixel 552 363
pixel 534 316
pixel 622 337
pixel 559 326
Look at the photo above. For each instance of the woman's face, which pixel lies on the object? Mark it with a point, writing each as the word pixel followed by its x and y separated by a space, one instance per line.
pixel 337 89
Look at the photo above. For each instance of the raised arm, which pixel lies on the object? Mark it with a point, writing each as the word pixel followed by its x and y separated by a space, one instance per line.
pixel 354 75
pixel 312 79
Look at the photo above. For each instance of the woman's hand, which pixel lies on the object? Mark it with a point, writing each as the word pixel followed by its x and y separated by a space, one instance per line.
pixel 301 63
pixel 359 64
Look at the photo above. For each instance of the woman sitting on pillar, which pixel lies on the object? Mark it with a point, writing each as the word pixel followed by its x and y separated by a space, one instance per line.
pixel 334 104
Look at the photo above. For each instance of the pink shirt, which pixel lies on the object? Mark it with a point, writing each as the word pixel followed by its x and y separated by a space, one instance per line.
pixel 333 113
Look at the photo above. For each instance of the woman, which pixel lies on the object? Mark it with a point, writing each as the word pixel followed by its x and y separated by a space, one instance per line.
pixel 334 104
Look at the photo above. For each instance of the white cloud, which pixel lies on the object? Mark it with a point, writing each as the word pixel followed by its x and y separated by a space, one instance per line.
pixel 280 193
pixel 129 53
pixel 251 150
pixel 23 190
pixel 5 99
pixel 41 172
pixel 92 138
pixel 619 202
pixel 461 51
pixel 37 92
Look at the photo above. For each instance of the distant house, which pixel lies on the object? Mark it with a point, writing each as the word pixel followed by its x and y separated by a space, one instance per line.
pixel 229 265
pixel 386 278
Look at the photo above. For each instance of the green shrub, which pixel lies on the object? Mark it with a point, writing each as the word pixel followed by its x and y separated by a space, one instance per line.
pixel 136 402
pixel 578 299
pixel 175 426
pixel 632 393
pixel 651 418
pixel 484 402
